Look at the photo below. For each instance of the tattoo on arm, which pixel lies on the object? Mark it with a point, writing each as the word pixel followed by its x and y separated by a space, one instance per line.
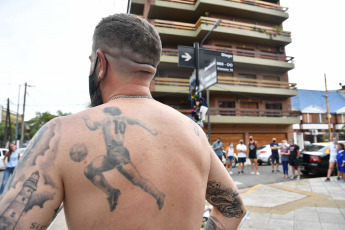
pixel 214 224
pixel 227 201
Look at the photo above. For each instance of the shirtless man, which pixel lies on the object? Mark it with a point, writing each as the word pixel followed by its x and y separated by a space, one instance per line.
pixel 120 164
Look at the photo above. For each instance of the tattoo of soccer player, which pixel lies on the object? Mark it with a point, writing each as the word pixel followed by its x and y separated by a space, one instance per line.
pixel 227 201
pixel 117 157
pixel 214 224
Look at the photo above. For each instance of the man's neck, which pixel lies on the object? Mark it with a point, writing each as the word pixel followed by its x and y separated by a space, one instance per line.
pixel 127 90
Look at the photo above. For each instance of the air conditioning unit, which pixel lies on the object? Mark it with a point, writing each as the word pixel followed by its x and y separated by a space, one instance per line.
pixel 314 132
pixel 281 49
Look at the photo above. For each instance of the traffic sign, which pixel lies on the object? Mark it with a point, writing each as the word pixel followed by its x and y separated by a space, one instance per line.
pixel 186 57
pixel 207 75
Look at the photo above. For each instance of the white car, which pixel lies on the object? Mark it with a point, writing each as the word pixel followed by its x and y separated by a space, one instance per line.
pixel 2 155
pixel 264 153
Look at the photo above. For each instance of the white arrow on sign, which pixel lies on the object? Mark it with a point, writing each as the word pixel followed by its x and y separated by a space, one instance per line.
pixel 186 56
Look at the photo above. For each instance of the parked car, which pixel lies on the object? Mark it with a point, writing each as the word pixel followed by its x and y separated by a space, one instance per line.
pixel 2 155
pixel 21 151
pixel 314 159
pixel 264 153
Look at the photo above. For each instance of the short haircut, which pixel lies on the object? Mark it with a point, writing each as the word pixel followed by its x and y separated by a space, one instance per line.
pixel 127 31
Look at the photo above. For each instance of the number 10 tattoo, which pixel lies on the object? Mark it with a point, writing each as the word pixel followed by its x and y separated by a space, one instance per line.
pixel 117 157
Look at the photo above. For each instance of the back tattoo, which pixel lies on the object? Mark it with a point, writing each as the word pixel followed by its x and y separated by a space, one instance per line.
pixel 117 156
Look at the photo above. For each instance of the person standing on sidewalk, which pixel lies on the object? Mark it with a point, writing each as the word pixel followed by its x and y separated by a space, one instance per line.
pixel 275 154
pixel 252 146
pixel 341 162
pixel 285 158
pixel 242 156
pixel 10 161
pixel 121 158
pixel 230 157
pixel 332 158
pixel 294 152
pixel 218 148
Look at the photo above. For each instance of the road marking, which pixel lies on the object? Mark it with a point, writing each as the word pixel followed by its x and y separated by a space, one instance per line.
pixel 237 183
pixel 251 189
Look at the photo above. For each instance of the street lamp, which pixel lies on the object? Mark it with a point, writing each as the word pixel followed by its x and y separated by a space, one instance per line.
pixel 207 90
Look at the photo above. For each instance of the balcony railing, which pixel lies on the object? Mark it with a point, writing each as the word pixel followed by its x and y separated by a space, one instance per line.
pixel 246 112
pixel 263 4
pixel 228 81
pixel 238 52
pixel 272 31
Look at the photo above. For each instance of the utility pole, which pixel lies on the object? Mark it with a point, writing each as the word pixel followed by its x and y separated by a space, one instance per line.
pixel 7 124
pixel 16 134
pixel 23 123
pixel 328 115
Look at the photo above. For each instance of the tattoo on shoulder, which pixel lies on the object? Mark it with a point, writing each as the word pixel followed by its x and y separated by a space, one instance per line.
pixel 117 156
pixel 214 224
pixel 23 202
pixel 196 128
pixel 227 201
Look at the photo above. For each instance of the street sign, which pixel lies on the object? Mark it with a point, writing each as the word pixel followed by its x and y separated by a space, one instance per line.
pixel 207 75
pixel 186 57
pixel 225 61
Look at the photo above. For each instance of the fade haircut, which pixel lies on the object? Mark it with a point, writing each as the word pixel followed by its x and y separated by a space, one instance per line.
pixel 131 33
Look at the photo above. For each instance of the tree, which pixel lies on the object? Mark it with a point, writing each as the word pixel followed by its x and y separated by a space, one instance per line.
pixel 2 131
pixel 41 119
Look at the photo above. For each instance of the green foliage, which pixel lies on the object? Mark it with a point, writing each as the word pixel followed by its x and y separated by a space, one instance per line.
pixel 207 13
pixel 41 119
pixel 343 130
pixel 2 131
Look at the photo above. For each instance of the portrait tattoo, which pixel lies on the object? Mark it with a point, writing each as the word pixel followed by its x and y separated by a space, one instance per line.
pixel 227 201
pixel 117 156
pixel 214 224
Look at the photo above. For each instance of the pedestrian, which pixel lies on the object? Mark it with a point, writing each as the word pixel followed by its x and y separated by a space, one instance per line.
pixel 332 158
pixel 230 157
pixel 275 154
pixel 218 148
pixel 294 152
pixel 124 156
pixel 242 156
pixel 341 162
pixel 252 146
pixel 10 161
pixel 284 152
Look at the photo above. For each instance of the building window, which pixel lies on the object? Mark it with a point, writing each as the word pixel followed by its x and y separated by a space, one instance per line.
pixel 247 79
pixel 273 106
pixel 227 108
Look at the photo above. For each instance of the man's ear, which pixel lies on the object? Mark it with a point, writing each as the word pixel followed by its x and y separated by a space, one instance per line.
pixel 102 64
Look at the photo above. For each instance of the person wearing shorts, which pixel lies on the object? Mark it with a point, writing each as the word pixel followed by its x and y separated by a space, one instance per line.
pixel 252 146
pixel 341 162
pixel 230 157
pixel 242 156
pixel 332 158
pixel 294 152
pixel 275 154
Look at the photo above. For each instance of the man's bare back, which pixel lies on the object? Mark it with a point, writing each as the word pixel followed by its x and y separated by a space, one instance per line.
pixel 130 163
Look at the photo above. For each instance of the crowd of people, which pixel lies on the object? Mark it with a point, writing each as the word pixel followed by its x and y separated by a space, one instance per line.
pixel 289 155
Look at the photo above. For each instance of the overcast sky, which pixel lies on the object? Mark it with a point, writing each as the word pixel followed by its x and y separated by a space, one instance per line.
pixel 47 44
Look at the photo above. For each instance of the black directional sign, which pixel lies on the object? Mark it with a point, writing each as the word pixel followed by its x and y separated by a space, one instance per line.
pixel 225 61
pixel 207 75
pixel 186 57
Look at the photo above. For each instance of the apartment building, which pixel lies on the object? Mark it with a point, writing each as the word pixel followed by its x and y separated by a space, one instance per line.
pixel 252 100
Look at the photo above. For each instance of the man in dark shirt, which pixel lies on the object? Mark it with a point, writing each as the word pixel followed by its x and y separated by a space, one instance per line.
pixel 294 153
pixel 275 154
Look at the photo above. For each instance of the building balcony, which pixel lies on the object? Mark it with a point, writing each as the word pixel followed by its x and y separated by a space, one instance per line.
pixel 250 116
pixel 187 33
pixel 228 85
pixel 188 10
pixel 254 60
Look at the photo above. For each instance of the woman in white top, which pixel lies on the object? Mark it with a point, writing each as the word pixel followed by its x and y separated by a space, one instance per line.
pixel 230 157
pixel 10 161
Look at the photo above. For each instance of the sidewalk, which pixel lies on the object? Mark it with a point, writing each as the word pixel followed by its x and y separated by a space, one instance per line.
pixel 297 204
pixel 294 204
